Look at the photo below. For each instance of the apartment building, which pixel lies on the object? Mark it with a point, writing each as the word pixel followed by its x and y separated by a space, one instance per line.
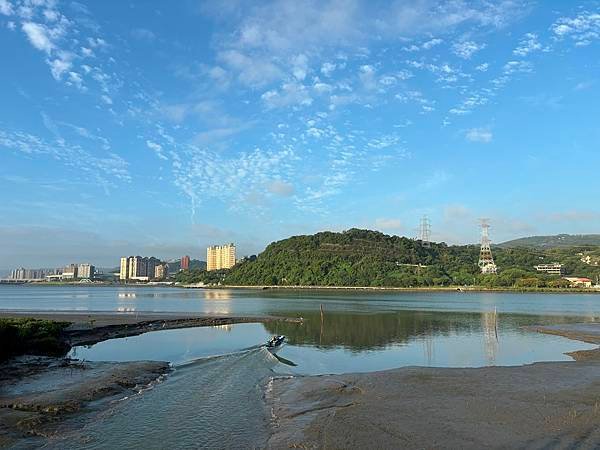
pixel 220 257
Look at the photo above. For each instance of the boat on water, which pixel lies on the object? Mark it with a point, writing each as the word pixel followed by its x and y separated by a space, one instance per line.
pixel 275 343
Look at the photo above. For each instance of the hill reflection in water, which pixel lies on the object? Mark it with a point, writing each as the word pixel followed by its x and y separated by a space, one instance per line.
pixel 360 332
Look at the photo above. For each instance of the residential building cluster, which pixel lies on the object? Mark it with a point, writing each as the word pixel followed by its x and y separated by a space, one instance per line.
pixel 70 272
pixel 139 268
pixel 32 274
pixel 220 257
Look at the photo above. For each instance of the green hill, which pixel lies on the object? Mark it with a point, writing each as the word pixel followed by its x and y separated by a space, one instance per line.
pixel 370 258
pixel 556 241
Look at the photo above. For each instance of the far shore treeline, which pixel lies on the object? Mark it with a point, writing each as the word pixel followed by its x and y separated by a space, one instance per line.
pixel 370 258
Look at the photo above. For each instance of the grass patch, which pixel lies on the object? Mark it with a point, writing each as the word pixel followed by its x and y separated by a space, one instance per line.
pixel 32 337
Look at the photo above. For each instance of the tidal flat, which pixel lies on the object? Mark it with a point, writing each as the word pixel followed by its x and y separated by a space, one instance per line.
pixel 540 405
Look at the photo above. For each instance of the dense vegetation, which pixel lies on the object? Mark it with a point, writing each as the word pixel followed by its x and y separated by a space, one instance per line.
pixel 369 258
pixel 31 336
pixel 559 240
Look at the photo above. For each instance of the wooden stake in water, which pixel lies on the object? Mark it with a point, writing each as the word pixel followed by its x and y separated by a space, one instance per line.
pixel 321 333
pixel 496 323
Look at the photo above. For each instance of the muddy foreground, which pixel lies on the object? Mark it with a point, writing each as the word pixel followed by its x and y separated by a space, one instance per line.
pixel 542 405
pixel 38 394
pixel 41 397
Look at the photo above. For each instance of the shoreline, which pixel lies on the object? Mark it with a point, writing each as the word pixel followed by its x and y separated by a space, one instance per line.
pixel 544 404
pixel 457 289
pixel 91 327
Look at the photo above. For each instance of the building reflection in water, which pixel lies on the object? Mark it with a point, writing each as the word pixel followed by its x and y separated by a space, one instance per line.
pixel 429 348
pixel 218 302
pixel 217 295
pixel 489 326
pixel 127 295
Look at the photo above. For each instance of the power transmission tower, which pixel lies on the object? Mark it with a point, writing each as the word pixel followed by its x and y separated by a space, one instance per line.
pixel 425 232
pixel 486 261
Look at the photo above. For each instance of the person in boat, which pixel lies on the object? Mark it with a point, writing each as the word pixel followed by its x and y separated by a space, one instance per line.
pixel 275 341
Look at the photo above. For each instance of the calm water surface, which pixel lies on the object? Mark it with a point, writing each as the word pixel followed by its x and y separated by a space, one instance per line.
pixel 214 395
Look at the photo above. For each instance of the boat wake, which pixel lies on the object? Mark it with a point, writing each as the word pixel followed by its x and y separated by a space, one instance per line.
pixel 216 401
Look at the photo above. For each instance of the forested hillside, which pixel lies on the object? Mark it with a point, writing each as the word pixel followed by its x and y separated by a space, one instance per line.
pixel 556 241
pixel 370 258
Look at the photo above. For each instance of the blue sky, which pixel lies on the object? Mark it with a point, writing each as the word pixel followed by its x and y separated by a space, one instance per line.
pixel 160 128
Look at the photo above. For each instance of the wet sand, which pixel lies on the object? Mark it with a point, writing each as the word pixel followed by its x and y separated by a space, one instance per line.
pixel 38 394
pixel 542 405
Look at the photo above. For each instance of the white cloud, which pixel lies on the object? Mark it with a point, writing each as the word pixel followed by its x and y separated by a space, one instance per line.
pixel 582 29
pixel 482 67
pixel 252 71
pixel 290 94
pixel 466 49
pixel 59 66
pixel 103 170
pixel 517 67
pixel 434 180
pixel 39 36
pixel 6 7
pixel 483 135
pixel 76 80
pixel 322 88
pixel 431 43
pixel 281 188
pixel 300 67
pixel 528 44
pixel 327 68
pixel 427 45
pixel 157 148
pixel 366 74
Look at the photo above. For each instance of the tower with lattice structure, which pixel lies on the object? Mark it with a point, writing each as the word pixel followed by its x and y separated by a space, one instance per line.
pixel 486 261
pixel 425 232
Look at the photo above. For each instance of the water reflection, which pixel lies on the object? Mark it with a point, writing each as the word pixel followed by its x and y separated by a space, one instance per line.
pixel 217 295
pixel 489 326
pixel 359 332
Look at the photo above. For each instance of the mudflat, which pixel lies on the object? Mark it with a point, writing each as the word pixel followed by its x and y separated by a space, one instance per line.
pixel 542 405
pixel 38 394
pixel 91 327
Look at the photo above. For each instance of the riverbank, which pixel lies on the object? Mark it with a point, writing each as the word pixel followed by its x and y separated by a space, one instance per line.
pixel 91 327
pixel 541 405
pixel 457 289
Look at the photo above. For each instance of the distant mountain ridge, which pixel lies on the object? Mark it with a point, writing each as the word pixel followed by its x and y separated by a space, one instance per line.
pixel 555 241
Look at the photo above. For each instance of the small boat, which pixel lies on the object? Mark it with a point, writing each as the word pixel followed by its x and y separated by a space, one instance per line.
pixel 275 343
